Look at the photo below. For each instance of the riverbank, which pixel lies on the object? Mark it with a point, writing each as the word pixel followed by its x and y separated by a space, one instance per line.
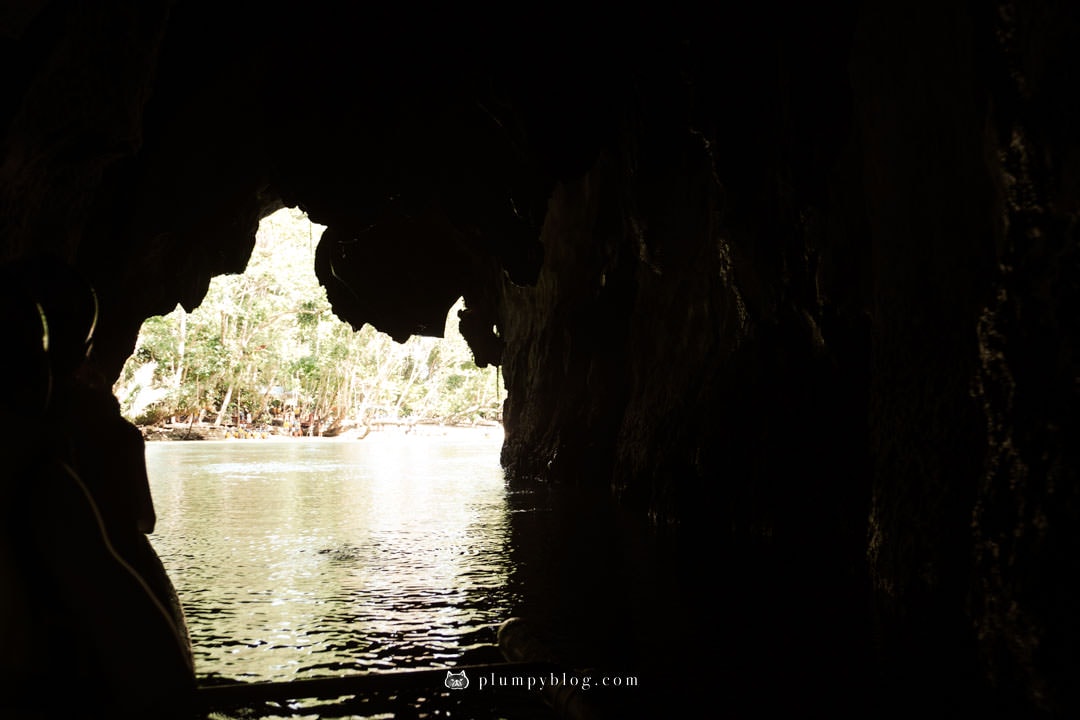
pixel 181 432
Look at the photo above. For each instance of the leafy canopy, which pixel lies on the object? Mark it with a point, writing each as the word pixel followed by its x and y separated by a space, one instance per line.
pixel 267 342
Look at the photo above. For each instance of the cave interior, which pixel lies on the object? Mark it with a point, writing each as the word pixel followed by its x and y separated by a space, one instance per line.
pixel 788 282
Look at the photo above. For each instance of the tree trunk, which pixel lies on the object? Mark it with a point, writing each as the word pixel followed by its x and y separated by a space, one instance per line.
pixel 224 406
pixel 405 391
pixel 180 349
pixel 265 402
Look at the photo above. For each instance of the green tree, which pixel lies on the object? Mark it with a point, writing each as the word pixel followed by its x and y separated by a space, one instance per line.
pixel 271 331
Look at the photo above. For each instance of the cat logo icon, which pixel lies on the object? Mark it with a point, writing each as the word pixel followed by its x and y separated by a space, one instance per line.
pixel 457 681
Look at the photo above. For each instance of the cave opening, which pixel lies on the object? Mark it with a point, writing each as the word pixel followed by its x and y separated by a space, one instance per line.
pixel 327 499
pixel 264 354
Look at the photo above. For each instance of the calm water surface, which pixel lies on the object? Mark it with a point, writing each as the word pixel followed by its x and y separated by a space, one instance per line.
pixel 310 557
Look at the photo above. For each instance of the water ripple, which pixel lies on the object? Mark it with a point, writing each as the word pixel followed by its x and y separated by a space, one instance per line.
pixel 311 558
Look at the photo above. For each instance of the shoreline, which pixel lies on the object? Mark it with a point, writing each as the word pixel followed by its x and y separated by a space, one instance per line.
pixel 208 432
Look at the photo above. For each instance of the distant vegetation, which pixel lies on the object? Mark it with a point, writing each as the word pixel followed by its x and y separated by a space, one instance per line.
pixel 266 345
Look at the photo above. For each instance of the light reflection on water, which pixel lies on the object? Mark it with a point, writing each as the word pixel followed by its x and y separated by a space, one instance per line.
pixel 308 557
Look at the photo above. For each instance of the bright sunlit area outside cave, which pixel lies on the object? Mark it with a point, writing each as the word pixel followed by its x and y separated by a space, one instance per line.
pixel 264 354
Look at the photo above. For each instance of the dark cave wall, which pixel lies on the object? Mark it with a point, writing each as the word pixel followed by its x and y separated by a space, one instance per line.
pixel 707 280
pixel 826 311
pixel 933 188
pixel 1023 524
pixel 105 170
pixel 797 283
